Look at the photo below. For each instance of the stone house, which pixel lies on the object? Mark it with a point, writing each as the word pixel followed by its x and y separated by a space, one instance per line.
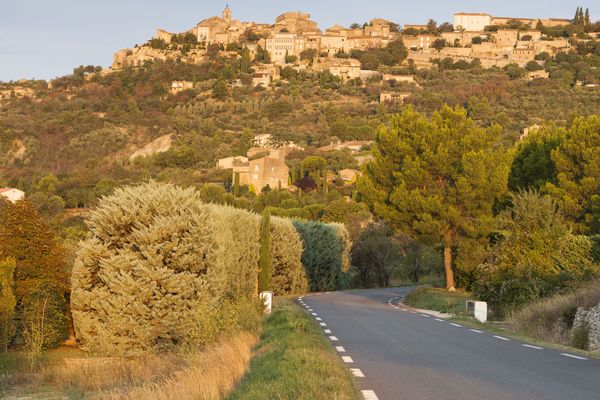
pixel 344 68
pixel 11 194
pixel 393 97
pixel 506 37
pixel 281 44
pixel 295 22
pixel 522 56
pixel 265 171
pixel 349 175
pixel 163 35
pixel 541 74
pixel 423 42
pixel 471 21
pixel 180 86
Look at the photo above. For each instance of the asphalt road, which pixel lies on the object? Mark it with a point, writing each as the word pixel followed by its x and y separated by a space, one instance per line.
pixel 397 353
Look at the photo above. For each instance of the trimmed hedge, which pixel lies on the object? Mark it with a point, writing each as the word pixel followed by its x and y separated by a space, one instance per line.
pixel 160 269
pixel 325 255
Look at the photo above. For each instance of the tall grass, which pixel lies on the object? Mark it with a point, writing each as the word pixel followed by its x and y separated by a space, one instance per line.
pixel 551 319
pixel 208 375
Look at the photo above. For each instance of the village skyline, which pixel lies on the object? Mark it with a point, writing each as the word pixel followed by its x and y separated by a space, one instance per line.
pixel 62 49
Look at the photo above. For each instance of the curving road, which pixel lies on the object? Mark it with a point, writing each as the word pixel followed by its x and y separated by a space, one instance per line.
pixel 397 353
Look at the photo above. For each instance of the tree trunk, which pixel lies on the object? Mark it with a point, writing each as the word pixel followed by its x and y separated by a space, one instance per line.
pixel 450 286
pixel 417 276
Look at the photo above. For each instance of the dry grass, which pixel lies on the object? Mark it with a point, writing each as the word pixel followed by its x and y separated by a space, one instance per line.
pixel 210 374
pixel 551 319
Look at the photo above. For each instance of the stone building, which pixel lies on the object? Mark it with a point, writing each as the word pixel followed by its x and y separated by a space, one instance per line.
pixel 393 97
pixel 265 171
pixel 11 194
pixel 295 22
pixel 471 21
pixel 506 37
pixel 282 44
pixel 180 86
pixel 344 68
pixel 220 30
pixel 163 35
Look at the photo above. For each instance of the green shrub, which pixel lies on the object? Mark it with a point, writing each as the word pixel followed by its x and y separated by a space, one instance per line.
pixel 537 258
pixel 581 337
pixel 40 264
pixel 595 248
pixel 157 259
pixel 7 302
pixel 322 256
pixel 287 273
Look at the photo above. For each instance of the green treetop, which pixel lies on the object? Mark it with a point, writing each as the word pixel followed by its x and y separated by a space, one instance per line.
pixel 436 178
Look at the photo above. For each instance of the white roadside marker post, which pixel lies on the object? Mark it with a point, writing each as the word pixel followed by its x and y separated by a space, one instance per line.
pixel 267 299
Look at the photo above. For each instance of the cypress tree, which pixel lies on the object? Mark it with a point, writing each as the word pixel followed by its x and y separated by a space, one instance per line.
pixel 236 184
pixel 264 274
pixel 586 19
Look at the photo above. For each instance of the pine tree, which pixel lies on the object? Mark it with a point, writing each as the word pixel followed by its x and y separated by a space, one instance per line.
pixel 436 178
pixel 264 275
pixel 577 189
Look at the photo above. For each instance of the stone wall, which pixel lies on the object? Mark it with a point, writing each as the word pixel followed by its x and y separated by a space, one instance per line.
pixel 591 316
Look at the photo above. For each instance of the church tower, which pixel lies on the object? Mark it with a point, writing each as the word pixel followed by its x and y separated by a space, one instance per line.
pixel 227 14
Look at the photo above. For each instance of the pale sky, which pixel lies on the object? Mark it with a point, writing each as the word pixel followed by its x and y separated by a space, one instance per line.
pixel 43 39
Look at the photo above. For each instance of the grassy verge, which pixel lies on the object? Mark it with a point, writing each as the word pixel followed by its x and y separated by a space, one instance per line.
pixel 294 360
pixel 536 323
pixel 436 299
pixel 210 374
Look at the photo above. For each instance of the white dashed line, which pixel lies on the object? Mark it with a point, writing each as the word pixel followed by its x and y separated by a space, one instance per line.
pixel 532 347
pixel 369 395
pixel 357 372
pixel 340 349
pixel 412 312
pixel 573 356
pixel 327 331
pixel 333 338
pixel 347 359
pixel 476 330
pixel 425 315
pixel 311 310
pixel 501 337
pixel 315 314
pixel 322 324
pixel 457 325
pixel 318 318
pixel 439 320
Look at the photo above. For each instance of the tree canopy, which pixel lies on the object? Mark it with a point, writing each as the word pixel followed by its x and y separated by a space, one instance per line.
pixel 436 178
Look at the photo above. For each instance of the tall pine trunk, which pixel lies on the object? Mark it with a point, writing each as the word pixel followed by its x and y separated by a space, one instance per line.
pixel 450 285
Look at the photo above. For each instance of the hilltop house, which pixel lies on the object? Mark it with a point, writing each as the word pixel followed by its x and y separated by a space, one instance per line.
pixel 11 194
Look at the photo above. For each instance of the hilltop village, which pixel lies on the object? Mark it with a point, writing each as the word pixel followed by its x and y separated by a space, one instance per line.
pixel 294 39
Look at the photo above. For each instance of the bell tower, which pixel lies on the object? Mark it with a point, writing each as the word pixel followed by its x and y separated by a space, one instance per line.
pixel 227 14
